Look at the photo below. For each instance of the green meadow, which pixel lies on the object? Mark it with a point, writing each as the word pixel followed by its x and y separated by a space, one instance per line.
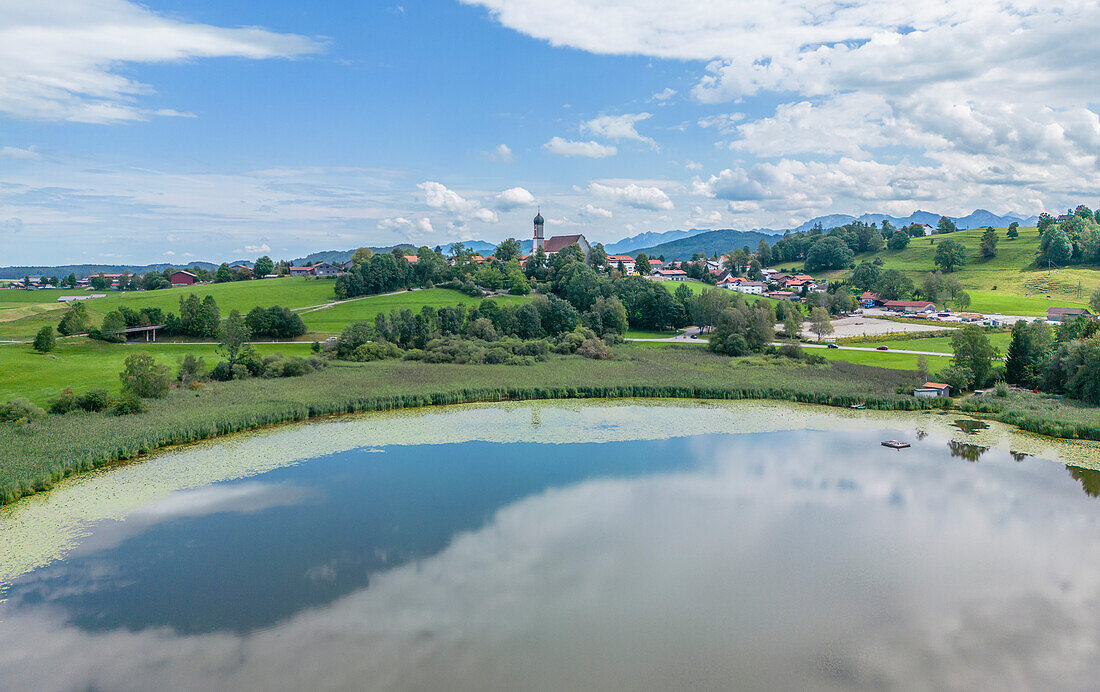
pixel 332 320
pixel 1008 283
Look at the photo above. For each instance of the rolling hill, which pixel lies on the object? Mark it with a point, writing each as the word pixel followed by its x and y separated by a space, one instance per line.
pixel 708 242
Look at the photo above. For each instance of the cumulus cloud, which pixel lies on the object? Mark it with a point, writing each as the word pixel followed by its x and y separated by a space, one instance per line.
pixel 633 195
pixel 700 217
pixel 592 212
pixel 617 127
pixel 968 102
pixel 257 249
pixel 438 196
pixel 566 147
pixel 501 154
pixel 414 228
pixel 62 60
pixel 513 198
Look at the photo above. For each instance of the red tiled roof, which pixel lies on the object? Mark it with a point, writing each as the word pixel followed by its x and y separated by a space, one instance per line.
pixel 936 385
pixel 558 243
pixel 909 303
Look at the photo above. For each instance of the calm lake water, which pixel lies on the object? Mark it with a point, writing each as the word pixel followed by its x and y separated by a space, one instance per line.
pixel 773 559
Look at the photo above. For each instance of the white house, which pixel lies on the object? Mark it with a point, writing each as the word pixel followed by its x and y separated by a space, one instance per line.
pixel 626 260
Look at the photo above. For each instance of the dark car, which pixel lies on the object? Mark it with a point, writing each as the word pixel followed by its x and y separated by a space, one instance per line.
pixel 832 346
pixel 882 348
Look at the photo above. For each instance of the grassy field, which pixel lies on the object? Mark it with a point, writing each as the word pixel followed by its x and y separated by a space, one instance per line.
pixel 938 344
pixel 1021 289
pixel 22 313
pixel 83 364
pixel 332 320
pixel 883 359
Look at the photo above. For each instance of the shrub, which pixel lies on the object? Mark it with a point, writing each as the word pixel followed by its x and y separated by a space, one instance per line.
pixel 19 410
pixel 221 372
pixel 127 405
pixel 496 355
pixel 1002 389
pixel 793 351
pixel 143 377
pixel 374 350
pixel 191 369
pixel 63 404
pixel 594 349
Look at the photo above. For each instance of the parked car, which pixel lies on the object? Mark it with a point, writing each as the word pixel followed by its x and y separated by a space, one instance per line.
pixel 832 346
pixel 882 348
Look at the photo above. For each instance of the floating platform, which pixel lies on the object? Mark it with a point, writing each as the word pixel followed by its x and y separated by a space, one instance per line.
pixel 894 444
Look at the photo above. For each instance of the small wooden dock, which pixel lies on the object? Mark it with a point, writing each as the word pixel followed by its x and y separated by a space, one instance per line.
pixel 895 444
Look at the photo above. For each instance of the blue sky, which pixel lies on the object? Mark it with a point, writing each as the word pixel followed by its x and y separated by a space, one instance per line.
pixel 179 130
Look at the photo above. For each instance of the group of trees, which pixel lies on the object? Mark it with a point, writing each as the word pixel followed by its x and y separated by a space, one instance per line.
pixel 1063 360
pixel 1073 240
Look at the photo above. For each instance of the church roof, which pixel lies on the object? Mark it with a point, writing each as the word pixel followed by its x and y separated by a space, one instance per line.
pixel 539 219
pixel 558 243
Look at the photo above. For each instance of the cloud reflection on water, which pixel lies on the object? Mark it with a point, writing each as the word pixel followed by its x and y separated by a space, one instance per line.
pixel 812 564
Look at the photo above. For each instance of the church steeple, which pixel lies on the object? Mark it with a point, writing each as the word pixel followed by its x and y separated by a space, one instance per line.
pixel 538 241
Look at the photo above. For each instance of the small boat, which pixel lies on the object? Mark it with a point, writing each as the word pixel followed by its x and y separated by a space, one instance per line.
pixel 895 444
pixel 861 405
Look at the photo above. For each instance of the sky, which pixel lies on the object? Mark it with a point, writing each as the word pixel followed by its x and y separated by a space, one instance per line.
pixel 178 130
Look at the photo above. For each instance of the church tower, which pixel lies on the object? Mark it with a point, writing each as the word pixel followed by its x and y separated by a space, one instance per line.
pixel 538 241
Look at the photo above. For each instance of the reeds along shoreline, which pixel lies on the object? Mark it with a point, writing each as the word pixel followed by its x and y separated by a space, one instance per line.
pixel 35 456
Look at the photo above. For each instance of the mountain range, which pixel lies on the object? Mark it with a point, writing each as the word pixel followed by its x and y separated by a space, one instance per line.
pixel 979 218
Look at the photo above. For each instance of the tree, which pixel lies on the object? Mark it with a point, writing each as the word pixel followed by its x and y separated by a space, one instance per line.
pixel 99 282
pixel 945 225
pixel 792 324
pixel 223 274
pixel 1027 353
pixel 233 338
pixel 597 255
pixel 263 267
pixel 683 294
pixel 893 285
pixel 44 340
pixel 113 325
pixel 1094 301
pixel 819 322
pixel 1054 246
pixel 641 264
pixel 989 242
pixel 508 250
pixel 829 252
pixel 76 320
pixel 361 255
pixel 974 353
pixel 1013 231
pixel 962 300
pixel 143 377
pixel 764 253
pixel 950 255
pixel 899 240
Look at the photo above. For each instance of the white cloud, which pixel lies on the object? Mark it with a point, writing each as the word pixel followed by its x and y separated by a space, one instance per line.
pixel 501 154
pixel 617 127
pixel 592 150
pixel 513 198
pixel 438 196
pixel 262 248
pixel 723 122
pixel 699 217
pixel 664 96
pixel 633 195
pixel 413 228
pixel 61 60
pixel 592 212
pixel 17 153
pixel 169 253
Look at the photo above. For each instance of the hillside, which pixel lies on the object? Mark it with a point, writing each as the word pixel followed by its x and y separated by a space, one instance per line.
pixel 86 270
pixel 1008 283
pixel 709 243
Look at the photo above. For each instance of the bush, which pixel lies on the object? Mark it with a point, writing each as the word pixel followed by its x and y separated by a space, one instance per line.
pixel 143 377
pixel 594 349
pixel 191 369
pixel 127 405
pixel 374 350
pixel 221 372
pixel 793 351
pixel 19 410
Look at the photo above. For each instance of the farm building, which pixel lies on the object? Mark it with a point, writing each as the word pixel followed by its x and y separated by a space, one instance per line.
pixel 932 390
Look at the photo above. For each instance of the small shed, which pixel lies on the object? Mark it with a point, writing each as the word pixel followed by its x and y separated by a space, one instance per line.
pixel 932 390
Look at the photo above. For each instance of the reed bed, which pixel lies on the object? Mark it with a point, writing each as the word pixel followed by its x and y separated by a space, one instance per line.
pixel 35 456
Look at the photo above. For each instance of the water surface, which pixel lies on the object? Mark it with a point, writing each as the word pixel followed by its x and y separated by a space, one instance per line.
pixel 570 547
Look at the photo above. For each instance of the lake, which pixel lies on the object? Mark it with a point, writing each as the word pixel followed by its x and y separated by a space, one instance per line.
pixel 569 546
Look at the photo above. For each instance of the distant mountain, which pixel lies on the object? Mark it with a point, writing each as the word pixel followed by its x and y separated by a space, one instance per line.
pixel 648 239
pixel 709 243
pixel 479 247
pixel 85 270
pixel 979 218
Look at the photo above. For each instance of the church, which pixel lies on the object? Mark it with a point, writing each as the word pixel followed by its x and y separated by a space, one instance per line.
pixel 556 243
